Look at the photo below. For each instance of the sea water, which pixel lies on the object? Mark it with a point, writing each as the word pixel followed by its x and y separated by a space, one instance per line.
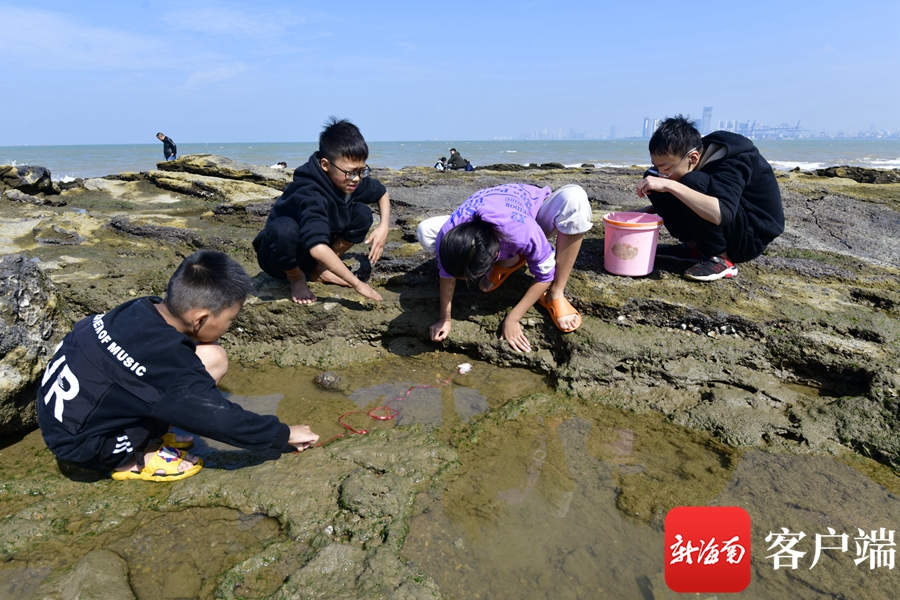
pixel 550 497
pixel 100 160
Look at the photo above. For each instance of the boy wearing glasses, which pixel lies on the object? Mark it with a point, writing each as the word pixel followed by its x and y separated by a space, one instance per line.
pixel 322 214
pixel 716 194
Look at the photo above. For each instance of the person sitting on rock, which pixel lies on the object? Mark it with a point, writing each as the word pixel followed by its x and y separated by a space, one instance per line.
pixel 456 160
pixel 119 380
pixel 322 214
pixel 716 194
pixel 498 230
pixel 170 151
pixel 441 164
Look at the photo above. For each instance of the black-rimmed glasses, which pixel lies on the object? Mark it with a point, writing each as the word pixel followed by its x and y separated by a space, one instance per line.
pixel 654 170
pixel 351 175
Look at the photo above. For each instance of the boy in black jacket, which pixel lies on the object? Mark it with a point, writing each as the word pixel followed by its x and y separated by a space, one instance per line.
pixel 119 380
pixel 322 214
pixel 717 195
pixel 170 150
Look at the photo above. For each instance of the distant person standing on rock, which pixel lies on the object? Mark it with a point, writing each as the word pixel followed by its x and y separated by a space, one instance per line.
pixel 456 161
pixel 169 149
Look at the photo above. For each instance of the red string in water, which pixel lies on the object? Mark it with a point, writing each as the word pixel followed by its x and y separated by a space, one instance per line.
pixel 385 412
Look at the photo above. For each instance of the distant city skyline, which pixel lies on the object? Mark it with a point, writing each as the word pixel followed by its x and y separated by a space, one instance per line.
pixel 751 128
pixel 754 129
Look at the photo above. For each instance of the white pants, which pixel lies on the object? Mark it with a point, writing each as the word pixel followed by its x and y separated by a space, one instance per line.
pixel 566 210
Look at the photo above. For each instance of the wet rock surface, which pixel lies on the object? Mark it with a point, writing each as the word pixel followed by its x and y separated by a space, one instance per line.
pixel 31 314
pixel 225 168
pixel 798 354
pixel 26 179
pixel 328 379
pixel 861 174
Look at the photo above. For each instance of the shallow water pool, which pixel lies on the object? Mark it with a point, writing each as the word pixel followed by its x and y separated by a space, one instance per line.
pixel 553 497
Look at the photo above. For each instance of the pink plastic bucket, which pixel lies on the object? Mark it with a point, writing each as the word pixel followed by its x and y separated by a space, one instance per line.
pixel 630 244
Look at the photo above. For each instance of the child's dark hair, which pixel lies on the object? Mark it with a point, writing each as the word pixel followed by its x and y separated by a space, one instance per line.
pixel 675 136
pixel 207 279
pixel 470 249
pixel 341 138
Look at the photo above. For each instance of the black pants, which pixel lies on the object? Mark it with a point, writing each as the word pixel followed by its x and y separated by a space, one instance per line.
pixel 737 238
pixel 278 247
pixel 114 452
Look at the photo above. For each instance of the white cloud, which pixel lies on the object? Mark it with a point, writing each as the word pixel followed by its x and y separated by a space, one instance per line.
pixel 210 76
pixel 213 19
pixel 57 41
pixel 49 40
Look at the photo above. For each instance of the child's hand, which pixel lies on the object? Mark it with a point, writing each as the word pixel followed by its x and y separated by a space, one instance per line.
pixel 512 333
pixel 377 238
pixel 302 437
pixel 440 331
pixel 363 289
pixel 651 184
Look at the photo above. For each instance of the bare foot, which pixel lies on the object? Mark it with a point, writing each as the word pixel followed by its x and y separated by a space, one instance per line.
pixel 568 321
pixel 327 276
pixel 300 292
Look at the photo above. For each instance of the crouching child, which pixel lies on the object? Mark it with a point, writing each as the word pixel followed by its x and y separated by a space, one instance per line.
pixel 119 380
pixel 322 214
pixel 716 194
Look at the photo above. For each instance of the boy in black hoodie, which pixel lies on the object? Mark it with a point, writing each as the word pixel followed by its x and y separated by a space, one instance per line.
pixel 118 380
pixel 717 195
pixel 322 214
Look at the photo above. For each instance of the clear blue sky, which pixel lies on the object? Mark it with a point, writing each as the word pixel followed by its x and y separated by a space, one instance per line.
pixel 204 71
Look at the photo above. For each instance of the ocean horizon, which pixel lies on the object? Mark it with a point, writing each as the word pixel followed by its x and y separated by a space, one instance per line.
pixel 99 160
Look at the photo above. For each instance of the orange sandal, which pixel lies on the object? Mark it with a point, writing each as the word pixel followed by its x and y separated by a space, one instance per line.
pixel 560 308
pixel 497 275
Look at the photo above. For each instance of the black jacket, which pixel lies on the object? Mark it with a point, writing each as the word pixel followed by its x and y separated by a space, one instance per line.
pixel 169 148
pixel 318 206
pixel 456 162
pixel 742 179
pixel 123 374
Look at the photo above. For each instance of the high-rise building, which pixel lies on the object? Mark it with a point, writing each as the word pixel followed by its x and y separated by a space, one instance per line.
pixel 706 121
pixel 612 132
pixel 647 130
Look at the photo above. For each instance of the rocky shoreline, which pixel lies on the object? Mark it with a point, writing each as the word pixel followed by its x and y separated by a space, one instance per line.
pixel 798 354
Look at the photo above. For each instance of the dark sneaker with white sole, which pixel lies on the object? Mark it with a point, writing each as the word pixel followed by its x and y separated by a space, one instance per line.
pixel 678 252
pixel 712 269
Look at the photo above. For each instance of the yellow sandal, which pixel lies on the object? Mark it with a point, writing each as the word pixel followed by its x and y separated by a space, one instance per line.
pixel 162 467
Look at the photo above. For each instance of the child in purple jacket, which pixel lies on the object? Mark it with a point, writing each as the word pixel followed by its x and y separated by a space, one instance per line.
pixel 498 230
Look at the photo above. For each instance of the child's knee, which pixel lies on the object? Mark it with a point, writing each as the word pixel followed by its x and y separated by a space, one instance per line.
pixel 572 210
pixel 215 360
pixel 427 232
